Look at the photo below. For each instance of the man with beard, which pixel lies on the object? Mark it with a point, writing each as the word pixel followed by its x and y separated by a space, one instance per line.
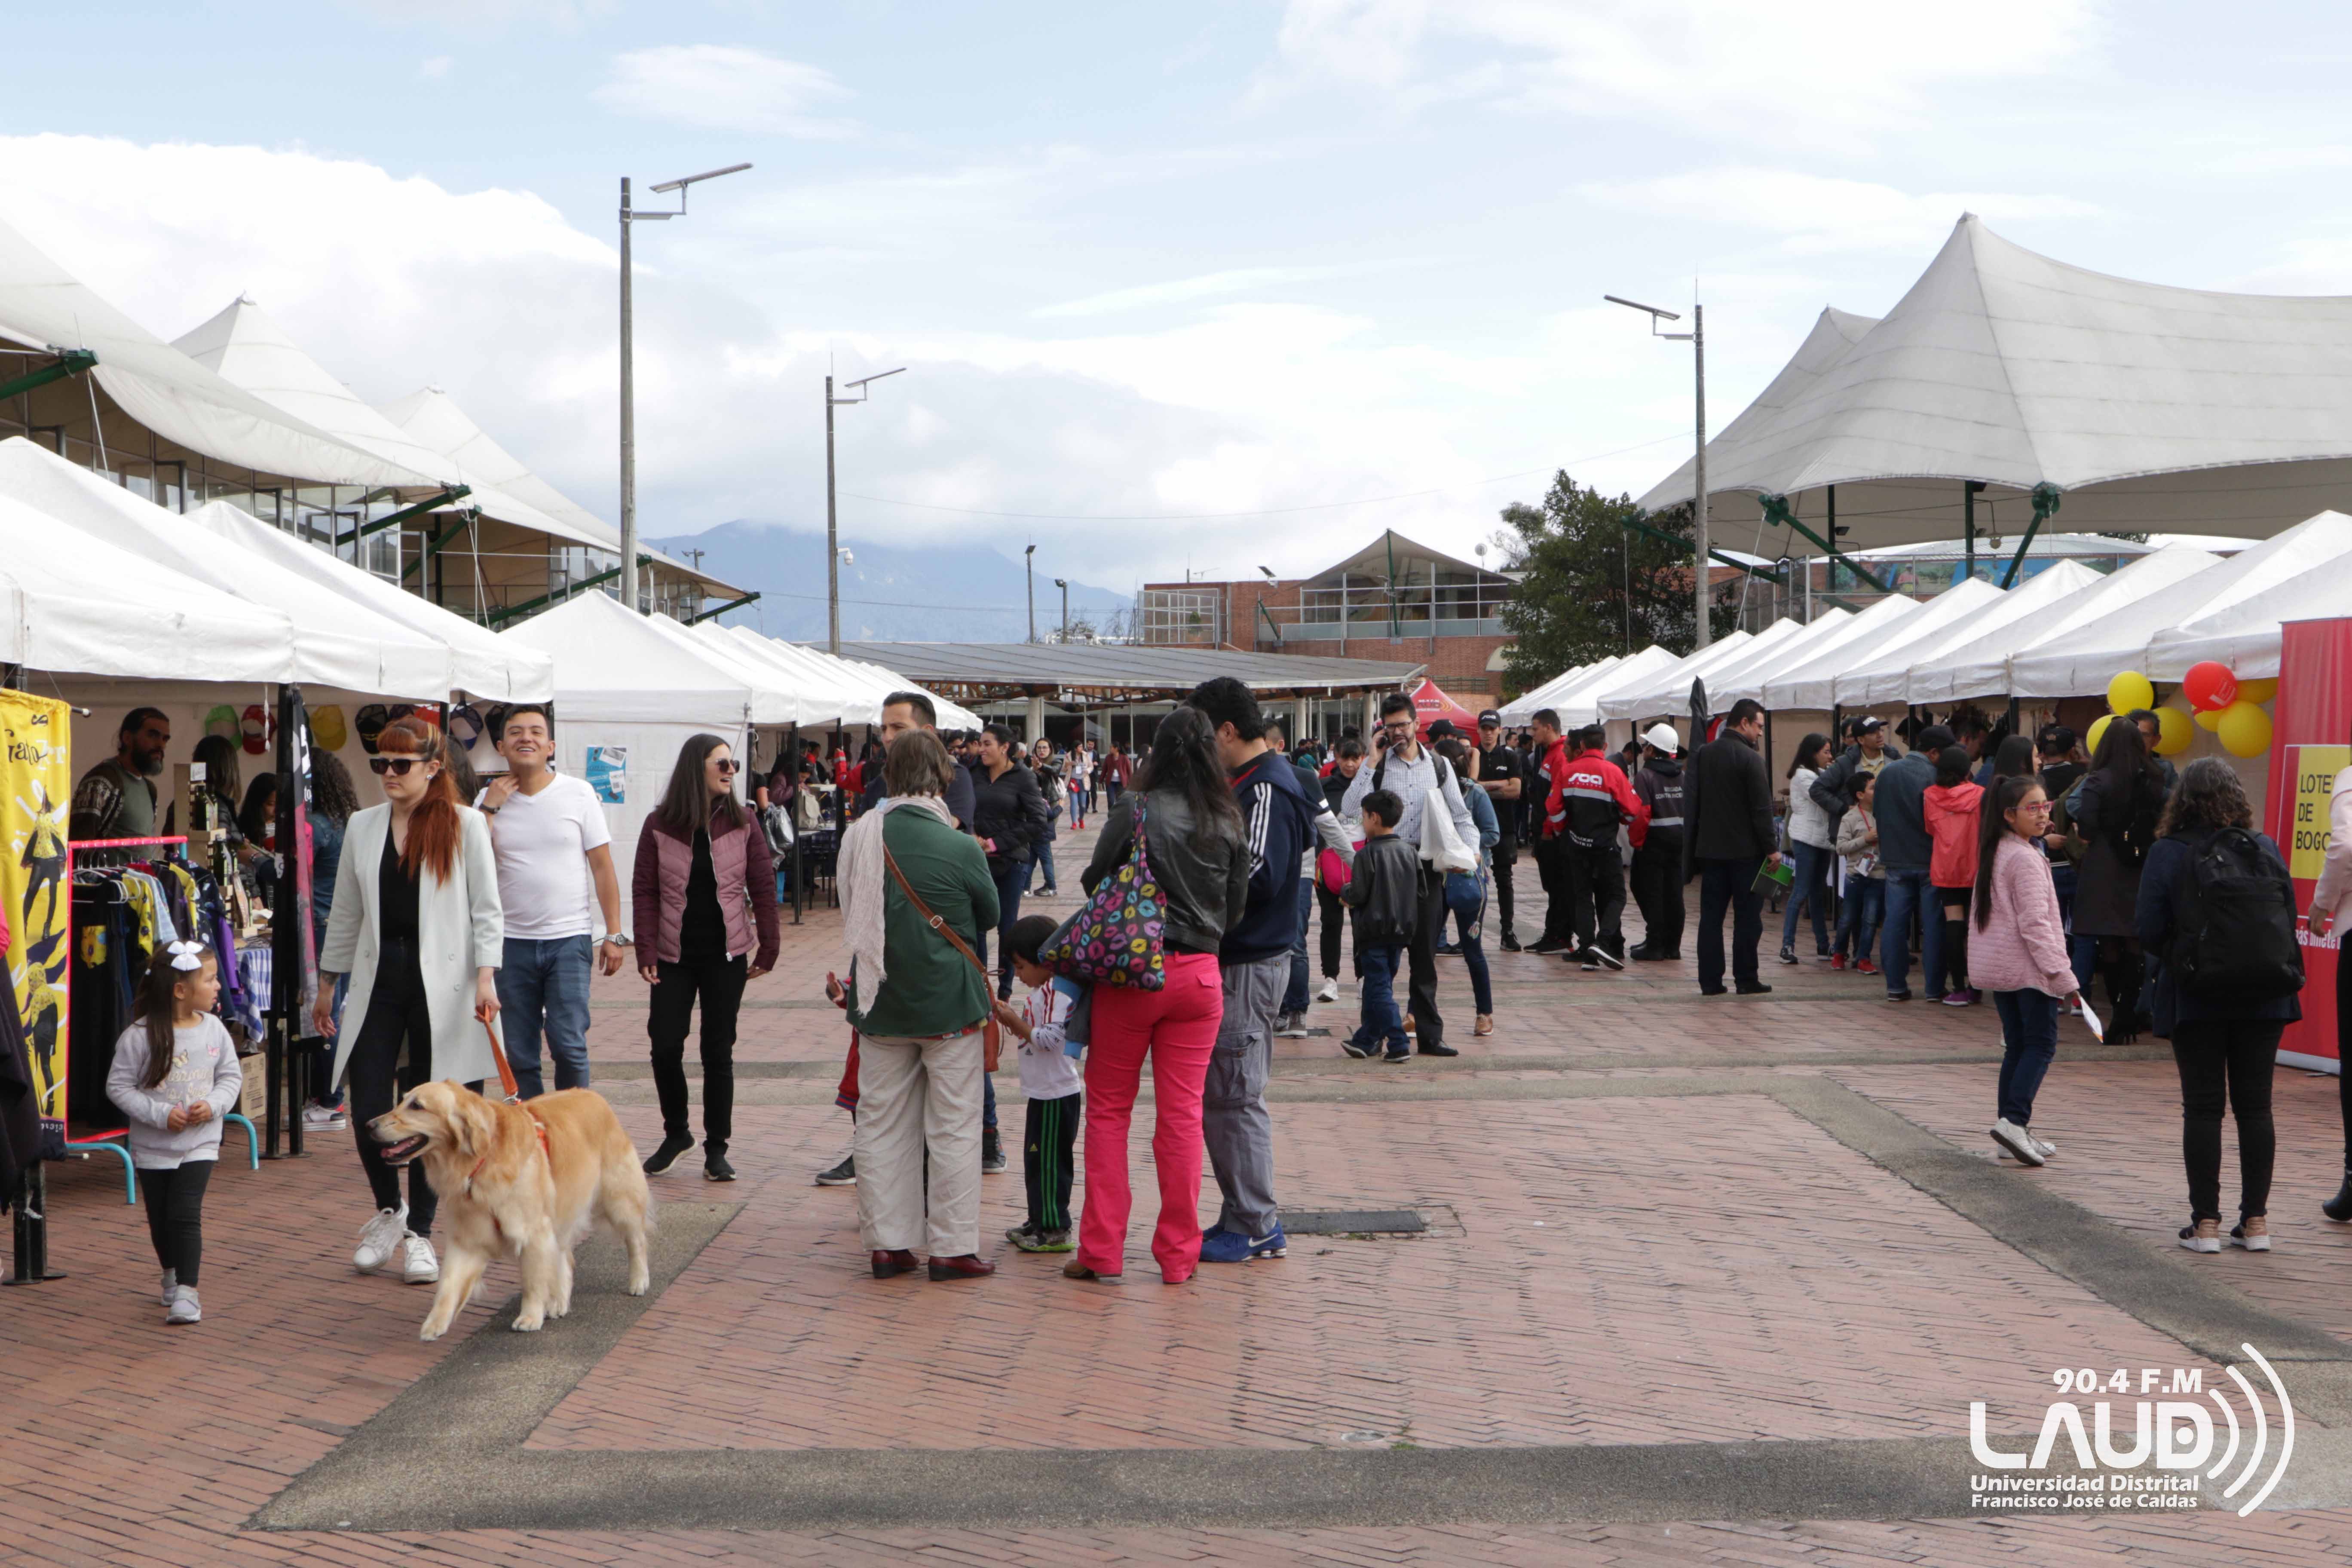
pixel 116 799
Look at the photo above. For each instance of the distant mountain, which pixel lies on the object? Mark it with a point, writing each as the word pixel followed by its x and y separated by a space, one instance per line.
pixel 888 593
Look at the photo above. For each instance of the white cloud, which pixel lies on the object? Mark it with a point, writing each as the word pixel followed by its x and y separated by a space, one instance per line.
pixel 1183 291
pixel 725 87
pixel 1816 214
pixel 1820 72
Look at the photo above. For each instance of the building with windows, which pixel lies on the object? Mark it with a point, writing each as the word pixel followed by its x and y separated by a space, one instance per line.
pixel 1393 601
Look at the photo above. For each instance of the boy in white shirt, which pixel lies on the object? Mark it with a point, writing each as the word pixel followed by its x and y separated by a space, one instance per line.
pixel 1051 1080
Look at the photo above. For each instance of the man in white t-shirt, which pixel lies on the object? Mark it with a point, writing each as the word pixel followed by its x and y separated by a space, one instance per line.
pixel 553 847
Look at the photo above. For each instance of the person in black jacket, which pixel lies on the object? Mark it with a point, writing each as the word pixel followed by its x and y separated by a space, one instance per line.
pixel 1731 801
pixel 1658 858
pixel 1009 816
pixel 1384 889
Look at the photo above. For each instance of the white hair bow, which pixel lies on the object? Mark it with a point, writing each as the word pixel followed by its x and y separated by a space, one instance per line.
pixel 186 954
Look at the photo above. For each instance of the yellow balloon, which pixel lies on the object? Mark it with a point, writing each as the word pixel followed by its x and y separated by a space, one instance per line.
pixel 2258 692
pixel 2173 732
pixel 2098 728
pixel 2130 691
pixel 2209 718
pixel 2245 730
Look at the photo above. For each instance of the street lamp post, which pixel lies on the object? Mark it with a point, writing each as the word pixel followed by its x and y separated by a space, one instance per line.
pixel 1064 584
pixel 630 217
pixel 832 531
pixel 1696 338
pixel 1029 563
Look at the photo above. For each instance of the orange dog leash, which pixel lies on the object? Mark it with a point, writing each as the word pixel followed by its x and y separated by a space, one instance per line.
pixel 514 1097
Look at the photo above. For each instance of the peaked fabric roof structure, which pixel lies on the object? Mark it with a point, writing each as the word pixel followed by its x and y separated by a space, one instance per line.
pixel 1738 677
pixel 1522 708
pixel 611 664
pixel 2150 407
pixel 1886 677
pixel 1812 683
pixel 1978 666
pixel 1667 690
pixel 1579 704
pixel 42 306
pixel 1853 635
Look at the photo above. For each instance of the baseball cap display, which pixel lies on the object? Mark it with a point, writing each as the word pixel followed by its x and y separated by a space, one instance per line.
pixel 326 727
pixel 465 726
pixel 370 721
pixel 222 721
pixel 1662 736
pixel 256 727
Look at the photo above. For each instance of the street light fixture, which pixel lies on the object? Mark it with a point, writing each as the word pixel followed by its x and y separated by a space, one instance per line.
pixel 833 553
pixel 1064 584
pixel 630 217
pixel 1696 338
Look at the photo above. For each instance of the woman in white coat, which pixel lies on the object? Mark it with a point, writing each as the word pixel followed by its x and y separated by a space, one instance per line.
pixel 417 925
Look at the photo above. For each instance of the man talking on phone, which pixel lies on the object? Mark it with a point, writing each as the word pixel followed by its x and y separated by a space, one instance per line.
pixel 1403 765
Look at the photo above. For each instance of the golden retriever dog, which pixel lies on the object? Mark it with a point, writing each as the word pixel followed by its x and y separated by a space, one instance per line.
pixel 509 1190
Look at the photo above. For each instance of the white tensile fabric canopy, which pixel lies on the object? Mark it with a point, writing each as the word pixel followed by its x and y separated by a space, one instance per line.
pixel 1813 684
pixel 1579 704
pixel 1667 690
pixel 2084 662
pixel 482 663
pixel 1729 681
pixel 1884 676
pixel 1979 665
pixel 73 605
pixel 772 702
pixel 42 305
pixel 335 643
pixel 2246 635
pixel 248 348
pixel 613 663
pixel 1853 635
pixel 2150 407
pixel 1523 709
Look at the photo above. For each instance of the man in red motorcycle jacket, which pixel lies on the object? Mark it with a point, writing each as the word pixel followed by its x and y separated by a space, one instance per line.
pixel 1589 797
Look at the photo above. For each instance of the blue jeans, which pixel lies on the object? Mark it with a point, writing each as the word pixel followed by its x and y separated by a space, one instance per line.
pixel 1009 877
pixel 1465 895
pixel 1383 1025
pixel 543 990
pixel 2082 952
pixel 2028 1037
pixel 1810 891
pixel 1043 862
pixel 1909 896
pixel 1865 907
pixel 1293 1000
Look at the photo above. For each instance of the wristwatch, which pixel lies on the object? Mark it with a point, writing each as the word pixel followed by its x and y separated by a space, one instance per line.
pixel 620 939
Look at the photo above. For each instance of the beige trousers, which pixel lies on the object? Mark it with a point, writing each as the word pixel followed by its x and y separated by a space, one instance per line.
pixel 915 1096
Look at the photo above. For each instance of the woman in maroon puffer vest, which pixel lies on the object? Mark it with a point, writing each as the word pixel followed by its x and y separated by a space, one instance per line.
pixel 704 895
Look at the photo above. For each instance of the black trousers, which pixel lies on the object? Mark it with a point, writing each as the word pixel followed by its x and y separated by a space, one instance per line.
pixel 176 1217
pixel 2225 1064
pixel 1728 885
pixel 396 1013
pixel 1658 891
pixel 2343 1080
pixel 1505 855
pixel 718 982
pixel 1335 931
pixel 1596 897
pixel 1551 869
pixel 1427 929
pixel 1049 1140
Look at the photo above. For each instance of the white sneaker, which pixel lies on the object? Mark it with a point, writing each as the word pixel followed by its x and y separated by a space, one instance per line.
pixel 185 1307
pixel 1290 1027
pixel 323 1119
pixel 2017 1141
pixel 2047 1147
pixel 418 1264
pixel 1330 992
pixel 379 1238
pixel 171 1284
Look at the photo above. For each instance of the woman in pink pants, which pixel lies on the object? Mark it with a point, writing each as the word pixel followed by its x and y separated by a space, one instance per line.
pixel 1192 842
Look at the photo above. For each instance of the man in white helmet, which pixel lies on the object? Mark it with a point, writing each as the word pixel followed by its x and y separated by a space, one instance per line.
pixel 1658 847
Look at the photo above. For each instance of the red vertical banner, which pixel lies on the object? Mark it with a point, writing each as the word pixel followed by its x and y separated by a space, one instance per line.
pixel 2311 742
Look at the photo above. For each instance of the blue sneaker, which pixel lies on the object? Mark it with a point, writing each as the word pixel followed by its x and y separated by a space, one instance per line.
pixel 1232 1246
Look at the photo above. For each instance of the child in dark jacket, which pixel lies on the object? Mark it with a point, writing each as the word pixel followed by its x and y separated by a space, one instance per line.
pixel 1385 892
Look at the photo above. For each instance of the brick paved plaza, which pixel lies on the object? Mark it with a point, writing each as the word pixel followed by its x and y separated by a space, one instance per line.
pixel 1705 1281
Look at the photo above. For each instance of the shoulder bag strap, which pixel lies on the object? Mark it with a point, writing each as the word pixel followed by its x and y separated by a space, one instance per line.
pixel 989 1028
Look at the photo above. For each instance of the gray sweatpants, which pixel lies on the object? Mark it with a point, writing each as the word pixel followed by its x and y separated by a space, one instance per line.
pixel 1233 1118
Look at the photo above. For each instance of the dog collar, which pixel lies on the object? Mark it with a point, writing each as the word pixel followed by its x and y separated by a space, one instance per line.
pixel 537 1125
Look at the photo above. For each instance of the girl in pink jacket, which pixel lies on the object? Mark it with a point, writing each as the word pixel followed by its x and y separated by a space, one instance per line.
pixel 2018 954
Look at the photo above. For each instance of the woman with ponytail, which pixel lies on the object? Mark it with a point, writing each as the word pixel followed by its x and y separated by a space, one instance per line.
pixel 417 925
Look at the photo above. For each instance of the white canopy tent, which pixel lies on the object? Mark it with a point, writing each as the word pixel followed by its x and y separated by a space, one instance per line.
pixel 855 687
pixel 1522 710
pixel 773 702
pixel 337 645
pixel 1978 666
pixel 1813 685
pixel 1853 632
pixel 2082 662
pixel 2149 407
pixel 2246 635
pixel 1579 704
pixel 1667 691
pixel 886 680
pixel 1884 677
pixel 1728 681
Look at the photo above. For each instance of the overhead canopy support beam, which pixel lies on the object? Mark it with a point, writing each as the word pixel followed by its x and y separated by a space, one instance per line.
pixel 731 605
pixel 1666 538
pixel 1780 513
pixel 72 363
pixel 434 546
pixel 499 618
pixel 394 520
pixel 2045 501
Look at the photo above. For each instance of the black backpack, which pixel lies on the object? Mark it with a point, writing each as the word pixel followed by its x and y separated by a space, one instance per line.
pixel 2236 938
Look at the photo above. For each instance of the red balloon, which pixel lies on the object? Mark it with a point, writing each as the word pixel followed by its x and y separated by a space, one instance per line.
pixel 2209 686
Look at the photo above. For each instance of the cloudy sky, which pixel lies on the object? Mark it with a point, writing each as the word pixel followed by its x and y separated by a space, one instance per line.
pixel 1220 284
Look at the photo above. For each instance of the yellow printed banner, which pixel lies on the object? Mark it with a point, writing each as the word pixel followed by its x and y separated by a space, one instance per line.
pixel 2315 768
pixel 36 883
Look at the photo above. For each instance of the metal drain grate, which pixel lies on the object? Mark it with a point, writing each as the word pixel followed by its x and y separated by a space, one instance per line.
pixel 1354 1222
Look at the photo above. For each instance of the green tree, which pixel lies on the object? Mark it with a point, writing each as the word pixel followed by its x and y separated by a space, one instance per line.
pixel 1591 586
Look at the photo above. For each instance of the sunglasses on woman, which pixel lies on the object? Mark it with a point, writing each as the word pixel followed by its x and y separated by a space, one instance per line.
pixel 396 767
pixel 726 766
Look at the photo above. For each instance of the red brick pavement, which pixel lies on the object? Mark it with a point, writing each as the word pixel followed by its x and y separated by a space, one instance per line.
pixel 1828 1298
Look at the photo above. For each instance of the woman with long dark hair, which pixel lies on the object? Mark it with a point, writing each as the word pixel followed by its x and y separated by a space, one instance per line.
pixel 1808 830
pixel 2113 813
pixel 2224 1041
pixel 2019 953
pixel 417 925
pixel 705 897
pixel 1008 817
pixel 333 802
pixel 1192 833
